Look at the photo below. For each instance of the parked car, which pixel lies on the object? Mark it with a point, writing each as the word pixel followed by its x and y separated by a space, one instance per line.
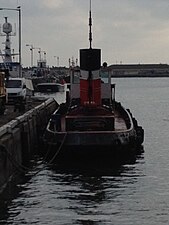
pixel 16 90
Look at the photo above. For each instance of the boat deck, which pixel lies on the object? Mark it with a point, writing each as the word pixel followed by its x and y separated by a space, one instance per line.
pixel 120 123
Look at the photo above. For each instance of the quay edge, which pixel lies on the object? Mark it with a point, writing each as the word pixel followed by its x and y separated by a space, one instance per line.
pixel 19 137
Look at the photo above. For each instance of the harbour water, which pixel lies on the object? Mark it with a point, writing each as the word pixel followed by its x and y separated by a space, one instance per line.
pixel 136 192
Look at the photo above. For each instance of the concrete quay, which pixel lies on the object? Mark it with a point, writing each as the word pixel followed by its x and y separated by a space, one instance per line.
pixel 20 135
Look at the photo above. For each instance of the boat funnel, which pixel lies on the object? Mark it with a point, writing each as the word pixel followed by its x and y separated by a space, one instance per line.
pixel 90 59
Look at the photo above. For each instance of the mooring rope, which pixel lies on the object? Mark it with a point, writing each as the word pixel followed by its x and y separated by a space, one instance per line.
pixel 16 164
pixel 22 168
pixel 59 149
pixel 19 166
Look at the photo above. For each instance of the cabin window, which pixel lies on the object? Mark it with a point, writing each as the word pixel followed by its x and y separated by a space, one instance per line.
pixel 76 77
pixel 48 88
pixel 104 76
pixel 13 84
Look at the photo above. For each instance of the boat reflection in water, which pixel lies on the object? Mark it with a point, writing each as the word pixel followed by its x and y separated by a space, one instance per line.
pixel 73 193
pixel 94 165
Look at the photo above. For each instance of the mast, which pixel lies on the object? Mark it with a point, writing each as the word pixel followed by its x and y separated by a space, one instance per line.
pixel 90 25
pixel 7 29
pixel 90 44
pixel 90 82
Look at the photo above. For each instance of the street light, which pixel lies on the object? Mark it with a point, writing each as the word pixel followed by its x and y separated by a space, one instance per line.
pixel 18 9
pixel 57 62
pixel 40 56
pixel 31 49
pixel 44 52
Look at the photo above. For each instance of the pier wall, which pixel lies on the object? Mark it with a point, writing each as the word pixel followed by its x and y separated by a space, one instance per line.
pixel 20 139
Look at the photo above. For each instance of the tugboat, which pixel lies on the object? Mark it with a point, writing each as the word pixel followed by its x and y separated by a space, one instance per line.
pixel 91 122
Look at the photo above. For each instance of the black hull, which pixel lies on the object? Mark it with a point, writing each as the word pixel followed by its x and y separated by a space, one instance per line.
pixel 91 154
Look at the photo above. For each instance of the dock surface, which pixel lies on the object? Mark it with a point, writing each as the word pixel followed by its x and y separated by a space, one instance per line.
pixel 11 113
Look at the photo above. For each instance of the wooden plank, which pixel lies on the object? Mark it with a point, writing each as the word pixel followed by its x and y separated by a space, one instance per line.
pixel 63 126
pixel 120 124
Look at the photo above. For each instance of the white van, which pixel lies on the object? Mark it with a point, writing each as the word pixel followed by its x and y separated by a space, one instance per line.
pixel 16 89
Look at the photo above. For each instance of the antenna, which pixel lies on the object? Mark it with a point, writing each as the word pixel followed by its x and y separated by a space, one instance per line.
pixel 90 25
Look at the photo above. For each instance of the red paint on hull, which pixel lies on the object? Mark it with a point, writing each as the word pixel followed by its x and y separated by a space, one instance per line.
pixel 93 88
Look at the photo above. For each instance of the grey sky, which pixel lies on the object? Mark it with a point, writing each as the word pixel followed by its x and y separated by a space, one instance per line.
pixel 127 31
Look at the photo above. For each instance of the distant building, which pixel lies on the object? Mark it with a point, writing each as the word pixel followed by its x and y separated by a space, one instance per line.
pixel 139 70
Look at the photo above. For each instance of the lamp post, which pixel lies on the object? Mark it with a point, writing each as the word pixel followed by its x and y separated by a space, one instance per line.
pixel 42 60
pixel 40 56
pixel 57 60
pixel 31 49
pixel 44 52
pixel 18 9
pixel 32 53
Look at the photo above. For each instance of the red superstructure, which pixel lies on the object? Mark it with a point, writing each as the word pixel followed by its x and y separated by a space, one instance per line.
pixel 90 93
pixel 90 81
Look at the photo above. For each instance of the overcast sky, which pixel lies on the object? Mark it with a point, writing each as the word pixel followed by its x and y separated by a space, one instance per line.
pixel 127 31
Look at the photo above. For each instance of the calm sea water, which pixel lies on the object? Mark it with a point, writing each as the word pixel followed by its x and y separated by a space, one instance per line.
pixel 134 193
